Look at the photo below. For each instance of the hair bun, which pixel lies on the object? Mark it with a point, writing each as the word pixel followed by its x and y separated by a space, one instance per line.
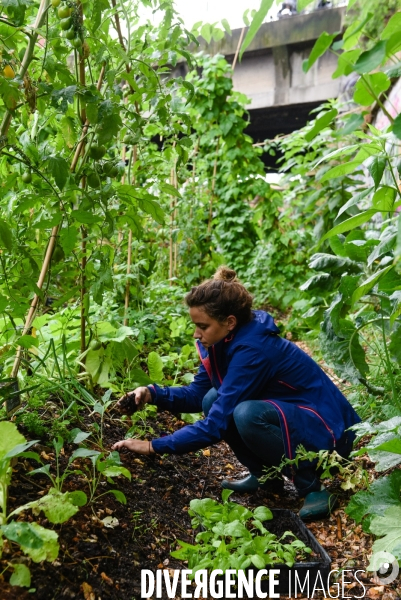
pixel 225 274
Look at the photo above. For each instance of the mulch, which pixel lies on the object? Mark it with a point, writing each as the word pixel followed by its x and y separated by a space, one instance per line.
pixel 97 562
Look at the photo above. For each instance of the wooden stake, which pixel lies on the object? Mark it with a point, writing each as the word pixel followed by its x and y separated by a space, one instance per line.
pixel 241 37
pixel 129 255
pixel 50 248
pixel 209 225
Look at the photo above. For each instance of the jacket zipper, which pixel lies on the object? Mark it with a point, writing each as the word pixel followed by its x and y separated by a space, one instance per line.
pixel 287 385
pixel 323 421
pixel 285 426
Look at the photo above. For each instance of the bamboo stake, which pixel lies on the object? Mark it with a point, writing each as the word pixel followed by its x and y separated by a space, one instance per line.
pixel 209 225
pixel 175 221
pixel 26 61
pixel 129 256
pixel 172 204
pixel 84 316
pixel 241 37
pixel 50 246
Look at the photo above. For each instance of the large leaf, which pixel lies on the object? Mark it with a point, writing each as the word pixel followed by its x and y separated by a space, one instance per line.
pixel 155 366
pixel 57 507
pixel 322 44
pixel 257 21
pixel 368 284
pixel 21 576
pixel 350 223
pixel 392 27
pixel 376 169
pixel 371 59
pixel 383 199
pixel 320 124
pixel 343 352
pixel 6 236
pixel 59 168
pixel 389 526
pixel 10 437
pixel 370 87
pixel 382 494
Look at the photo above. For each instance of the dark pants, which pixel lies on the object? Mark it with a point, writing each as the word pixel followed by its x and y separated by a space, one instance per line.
pixel 255 437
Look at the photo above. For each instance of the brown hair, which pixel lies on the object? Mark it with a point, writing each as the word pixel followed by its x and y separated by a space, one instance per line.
pixel 222 296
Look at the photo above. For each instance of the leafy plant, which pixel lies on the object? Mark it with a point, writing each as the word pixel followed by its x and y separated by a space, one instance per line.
pixel 328 464
pixel 234 537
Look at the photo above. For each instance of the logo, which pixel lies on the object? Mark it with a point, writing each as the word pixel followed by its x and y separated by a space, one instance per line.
pixel 385 567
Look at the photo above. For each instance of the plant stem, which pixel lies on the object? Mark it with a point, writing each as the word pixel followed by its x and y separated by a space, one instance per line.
pixel 26 61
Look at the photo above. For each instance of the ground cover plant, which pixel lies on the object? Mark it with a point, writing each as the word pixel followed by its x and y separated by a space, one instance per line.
pixel 122 186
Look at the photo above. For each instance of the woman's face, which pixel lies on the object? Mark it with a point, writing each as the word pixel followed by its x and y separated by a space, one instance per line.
pixel 209 331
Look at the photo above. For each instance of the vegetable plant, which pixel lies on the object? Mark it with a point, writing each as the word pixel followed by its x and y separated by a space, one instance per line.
pixel 234 537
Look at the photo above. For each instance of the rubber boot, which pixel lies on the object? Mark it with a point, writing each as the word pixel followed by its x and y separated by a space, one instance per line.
pixel 317 505
pixel 250 484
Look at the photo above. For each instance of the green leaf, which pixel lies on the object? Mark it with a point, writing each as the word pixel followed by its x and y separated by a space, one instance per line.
pixel 371 59
pixel 10 438
pixel 341 170
pixel 115 471
pixel 82 453
pixel 350 223
pixel 258 561
pixel 322 44
pixel 155 366
pixel 153 209
pixel 368 284
pixel 382 494
pixel 345 64
pixel 48 550
pixel 389 526
pixel 376 169
pixel 393 446
pixel 393 26
pixel 24 534
pixel 383 199
pixel 170 190
pixel 396 128
pixel 352 123
pixel 225 494
pixel 6 236
pixel 262 513
pixel 320 124
pixel 58 167
pixel 21 576
pixel 369 88
pixel 85 217
pixel 206 32
pixel 118 496
pixel 226 26
pixel 78 498
pixel 57 507
pixel 27 341
pixel 257 21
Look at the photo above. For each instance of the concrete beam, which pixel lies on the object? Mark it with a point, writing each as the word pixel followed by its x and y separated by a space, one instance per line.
pixel 296 29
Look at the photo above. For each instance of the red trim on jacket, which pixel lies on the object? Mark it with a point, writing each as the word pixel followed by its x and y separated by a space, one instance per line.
pixel 323 421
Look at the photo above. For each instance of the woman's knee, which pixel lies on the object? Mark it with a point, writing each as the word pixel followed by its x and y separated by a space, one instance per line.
pixel 208 400
pixel 244 414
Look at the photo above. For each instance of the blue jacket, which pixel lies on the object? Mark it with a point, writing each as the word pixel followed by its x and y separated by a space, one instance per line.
pixel 254 363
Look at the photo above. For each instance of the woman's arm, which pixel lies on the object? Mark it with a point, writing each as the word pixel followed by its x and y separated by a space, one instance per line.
pixel 245 379
pixel 187 398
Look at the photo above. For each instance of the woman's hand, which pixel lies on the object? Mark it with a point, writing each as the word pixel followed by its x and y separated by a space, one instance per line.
pixel 133 401
pixel 138 446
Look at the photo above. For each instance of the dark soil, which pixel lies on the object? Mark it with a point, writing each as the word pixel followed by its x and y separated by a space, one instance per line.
pixel 98 562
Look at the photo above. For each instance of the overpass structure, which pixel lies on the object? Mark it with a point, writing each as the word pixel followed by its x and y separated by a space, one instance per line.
pixel 271 76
